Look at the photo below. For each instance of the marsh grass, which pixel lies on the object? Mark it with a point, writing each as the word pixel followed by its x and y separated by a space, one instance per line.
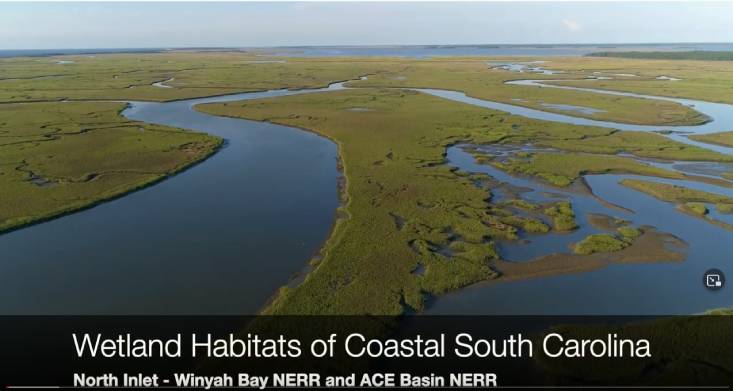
pixel 704 80
pixel 688 200
pixel 629 233
pixel 194 74
pixel 476 78
pixel 599 243
pixel 642 144
pixel 446 226
pixel 705 55
pixel 56 158
pixel 723 138
pixel 407 211
pixel 697 208
pixel 404 209
pixel 563 217
pixel 561 169
pixel 675 193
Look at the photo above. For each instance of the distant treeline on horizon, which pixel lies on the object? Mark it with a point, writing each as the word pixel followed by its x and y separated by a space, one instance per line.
pixel 689 55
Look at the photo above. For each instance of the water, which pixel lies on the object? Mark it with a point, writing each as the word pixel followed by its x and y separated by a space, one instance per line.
pixel 653 288
pixel 522 67
pixel 219 238
pixel 58 52
pixel 621 289
pixel 720 113
pixel 418 51
pixel 161 84
pixel 403 50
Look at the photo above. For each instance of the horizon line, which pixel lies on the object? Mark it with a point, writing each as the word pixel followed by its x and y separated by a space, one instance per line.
pixel 371 45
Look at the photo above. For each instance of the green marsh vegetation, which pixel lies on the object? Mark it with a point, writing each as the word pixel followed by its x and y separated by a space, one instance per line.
pixel 192 74
pixel 563 217
pixel 607 243
pixel 619 235
pixel 723 138
pixel 476 78
pixel 724 208
pixel 688 200
pixel 697 208
pixel 678 194
pixel 649 246
pixel 131 76
pixel 59 157
pixel 641 144
pixel 629 233
pixel 704 55
pixel 62 148
pixel 562 168
pixel 710 81
pixel 413 225
pixel 599 243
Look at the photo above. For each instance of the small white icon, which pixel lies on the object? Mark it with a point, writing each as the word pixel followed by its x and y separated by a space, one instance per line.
pixel 714 281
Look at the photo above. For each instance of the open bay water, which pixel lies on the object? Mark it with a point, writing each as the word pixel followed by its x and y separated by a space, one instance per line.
pixel 402 50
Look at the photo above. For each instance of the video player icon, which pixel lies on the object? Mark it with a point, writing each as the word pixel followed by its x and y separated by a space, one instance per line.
pixel 714 279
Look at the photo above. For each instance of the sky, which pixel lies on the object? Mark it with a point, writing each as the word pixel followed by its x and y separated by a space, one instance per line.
pixel 162 25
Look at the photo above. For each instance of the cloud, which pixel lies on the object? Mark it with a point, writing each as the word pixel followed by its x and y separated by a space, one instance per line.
pixel 571 25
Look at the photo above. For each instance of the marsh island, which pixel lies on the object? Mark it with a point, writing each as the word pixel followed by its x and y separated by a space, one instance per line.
pixel 365 185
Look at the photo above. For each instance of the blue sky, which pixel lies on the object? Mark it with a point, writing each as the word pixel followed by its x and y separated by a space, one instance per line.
pixel 116 25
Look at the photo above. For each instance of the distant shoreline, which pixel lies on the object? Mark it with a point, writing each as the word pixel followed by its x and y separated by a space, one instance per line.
pixel 66 52
pixel 326 50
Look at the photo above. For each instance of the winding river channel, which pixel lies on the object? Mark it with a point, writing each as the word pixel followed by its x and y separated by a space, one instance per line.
pixel 218 238
pixel 650 288
pixel 222 236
